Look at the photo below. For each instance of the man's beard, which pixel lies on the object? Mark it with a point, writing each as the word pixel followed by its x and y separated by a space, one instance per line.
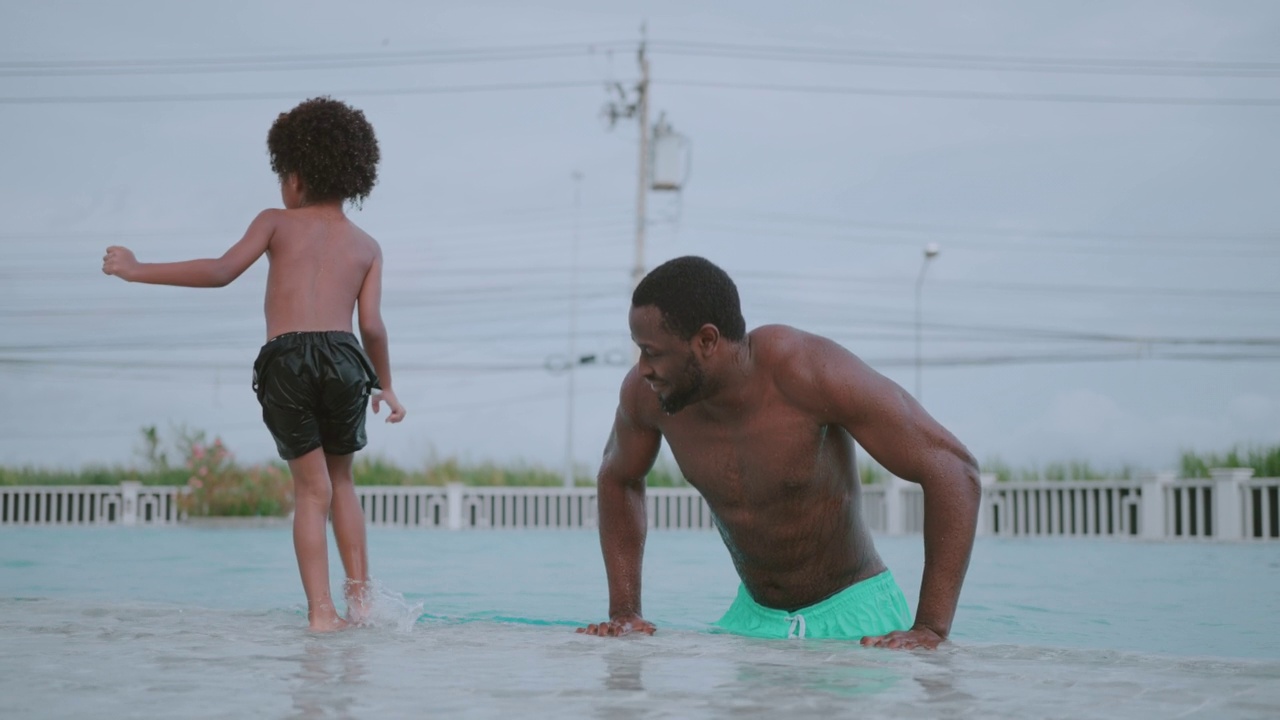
pixel 681 397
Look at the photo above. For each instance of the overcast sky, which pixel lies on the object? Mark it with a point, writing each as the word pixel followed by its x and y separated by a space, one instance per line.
pixel 1101 178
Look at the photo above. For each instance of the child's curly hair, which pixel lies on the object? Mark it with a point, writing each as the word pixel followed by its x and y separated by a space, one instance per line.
pixel 330 146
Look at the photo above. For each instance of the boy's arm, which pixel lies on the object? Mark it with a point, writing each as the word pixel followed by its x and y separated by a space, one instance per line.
pixel 211 272
pixel 628 457
pixel 373 335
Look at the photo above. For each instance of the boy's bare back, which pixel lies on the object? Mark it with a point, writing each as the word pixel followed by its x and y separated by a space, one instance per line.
pixel 320 262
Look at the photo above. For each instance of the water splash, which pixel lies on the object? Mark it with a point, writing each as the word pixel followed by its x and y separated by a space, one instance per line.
pixel 387 608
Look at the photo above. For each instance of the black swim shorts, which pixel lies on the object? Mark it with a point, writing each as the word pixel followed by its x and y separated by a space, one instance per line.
pixel 314 389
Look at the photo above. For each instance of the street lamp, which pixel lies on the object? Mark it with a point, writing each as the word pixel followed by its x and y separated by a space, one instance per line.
pixel 931 251
pixel 573 328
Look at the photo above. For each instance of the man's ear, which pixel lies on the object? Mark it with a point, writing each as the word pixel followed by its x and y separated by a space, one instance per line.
pixel 707 339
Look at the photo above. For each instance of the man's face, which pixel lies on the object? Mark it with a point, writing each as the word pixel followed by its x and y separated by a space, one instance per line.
pixel 668 363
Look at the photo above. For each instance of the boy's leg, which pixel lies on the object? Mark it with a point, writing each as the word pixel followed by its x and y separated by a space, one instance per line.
pixel 312 495
pixel 348 528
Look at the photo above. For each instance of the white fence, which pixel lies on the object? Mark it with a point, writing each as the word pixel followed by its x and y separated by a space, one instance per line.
pixel 1229 506
pixel 457 507
pixel 129 503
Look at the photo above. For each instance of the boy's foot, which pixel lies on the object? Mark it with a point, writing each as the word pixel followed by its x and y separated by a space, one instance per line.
pixel 328 625
pixel 324 618
pixel 359 602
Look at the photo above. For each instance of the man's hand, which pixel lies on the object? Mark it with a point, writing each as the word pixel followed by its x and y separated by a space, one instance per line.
pixel 619 626
pixel 119 261
pixel 393 404
pixel 921 637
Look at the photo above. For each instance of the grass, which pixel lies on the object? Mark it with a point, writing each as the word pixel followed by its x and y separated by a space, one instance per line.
pixel 1265 461
pixel 91 475
pixel 1055 471
pixel 217 485
pixel 265 488
pixel 379 471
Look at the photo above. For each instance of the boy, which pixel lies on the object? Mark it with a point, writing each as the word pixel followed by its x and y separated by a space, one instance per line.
pixel 312 377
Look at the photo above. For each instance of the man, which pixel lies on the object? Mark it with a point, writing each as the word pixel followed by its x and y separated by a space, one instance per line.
pixel 763 424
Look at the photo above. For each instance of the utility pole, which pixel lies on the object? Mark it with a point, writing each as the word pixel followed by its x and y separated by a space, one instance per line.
pixel 931 251
pixel 625 109
pixel 642 182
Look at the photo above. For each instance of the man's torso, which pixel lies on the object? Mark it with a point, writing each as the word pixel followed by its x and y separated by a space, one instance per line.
pixel 782 485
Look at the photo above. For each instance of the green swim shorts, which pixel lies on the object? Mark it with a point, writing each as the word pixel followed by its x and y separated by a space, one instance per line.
pixel 874 606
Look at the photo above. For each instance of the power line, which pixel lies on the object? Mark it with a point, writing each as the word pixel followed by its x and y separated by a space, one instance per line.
pixel 1271 237
pixel 281 63
pixel 483 218
pixel 447 300
pixel 480 368
pixel 42 362
pixel 1053 333
pixel 963 61
pixel 813 54
pixel 856 282
pixel 1031 288
pixel 486 296
pixel 496 218
pixel 792 234
pixel 1055 359
pixel 1255 102
pixel 283 94
pixel 225 341
pixel 1252 102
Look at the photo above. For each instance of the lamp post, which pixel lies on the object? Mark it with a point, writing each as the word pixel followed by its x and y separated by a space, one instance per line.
pixel 573 329
pixel 931 251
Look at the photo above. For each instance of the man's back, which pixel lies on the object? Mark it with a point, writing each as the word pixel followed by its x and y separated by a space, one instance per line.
pixel 319 261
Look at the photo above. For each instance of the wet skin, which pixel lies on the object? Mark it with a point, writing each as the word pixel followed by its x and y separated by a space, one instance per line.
pixel 764 428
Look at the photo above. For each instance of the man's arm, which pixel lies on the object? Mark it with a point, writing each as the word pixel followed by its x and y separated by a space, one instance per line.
pixel 373 335
pixel 628 457
pixel 895 430
pixel 211 272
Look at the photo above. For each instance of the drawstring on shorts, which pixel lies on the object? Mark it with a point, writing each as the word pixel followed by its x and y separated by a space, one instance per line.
pixel 797 628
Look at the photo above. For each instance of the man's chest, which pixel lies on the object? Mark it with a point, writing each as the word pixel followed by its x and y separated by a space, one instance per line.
pixel 750 460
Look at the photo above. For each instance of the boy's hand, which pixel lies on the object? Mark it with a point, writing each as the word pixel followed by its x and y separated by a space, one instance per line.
pixel 393 404
pixel 119 261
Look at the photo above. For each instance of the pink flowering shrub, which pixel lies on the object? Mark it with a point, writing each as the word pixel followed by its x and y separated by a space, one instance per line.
pixel 219 487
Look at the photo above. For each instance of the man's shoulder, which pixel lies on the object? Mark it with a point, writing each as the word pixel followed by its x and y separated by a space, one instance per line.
pixel 636 401
pixel 783 345
pixel 800 363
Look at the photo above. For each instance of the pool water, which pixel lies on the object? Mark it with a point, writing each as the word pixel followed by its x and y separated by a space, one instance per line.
pixel 210 623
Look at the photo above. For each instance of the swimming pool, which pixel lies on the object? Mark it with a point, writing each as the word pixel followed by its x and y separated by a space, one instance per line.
pixel 208 623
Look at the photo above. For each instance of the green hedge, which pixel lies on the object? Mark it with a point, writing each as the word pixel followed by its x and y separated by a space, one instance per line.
pixel 178 462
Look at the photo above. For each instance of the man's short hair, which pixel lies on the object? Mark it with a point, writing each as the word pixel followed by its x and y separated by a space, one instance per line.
pixel 690 292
